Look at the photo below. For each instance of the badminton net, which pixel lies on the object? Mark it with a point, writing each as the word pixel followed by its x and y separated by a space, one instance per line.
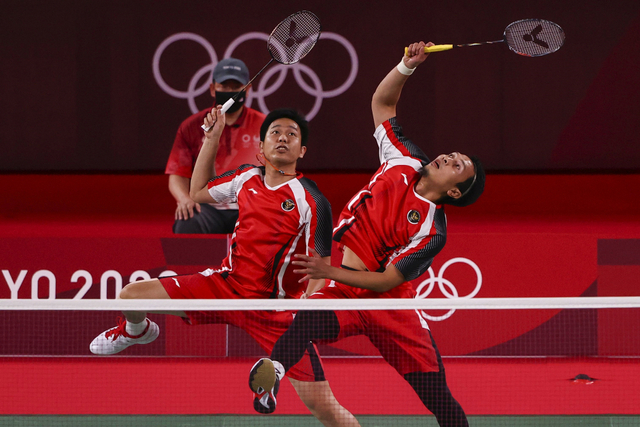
pixel 508 362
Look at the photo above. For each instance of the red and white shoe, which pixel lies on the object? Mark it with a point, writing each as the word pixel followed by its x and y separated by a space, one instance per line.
pixel 116 339
pixel 264 381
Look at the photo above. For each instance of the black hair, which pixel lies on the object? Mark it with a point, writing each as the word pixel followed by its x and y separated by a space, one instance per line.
pixel 286 113
pixel 471 189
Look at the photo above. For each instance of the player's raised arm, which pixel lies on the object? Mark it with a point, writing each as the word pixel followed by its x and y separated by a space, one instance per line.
pixel 205 168
pixel 386 96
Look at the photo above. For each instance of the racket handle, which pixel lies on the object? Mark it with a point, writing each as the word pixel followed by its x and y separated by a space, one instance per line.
pixel 436 48
pixel 223 110
pixel 227 105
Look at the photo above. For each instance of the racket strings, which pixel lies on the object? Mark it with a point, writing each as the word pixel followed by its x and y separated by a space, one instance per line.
pixel 294 37
pixel 534 37
pixel 289 42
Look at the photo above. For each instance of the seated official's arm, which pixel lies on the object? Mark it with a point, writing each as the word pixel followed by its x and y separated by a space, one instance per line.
pixel 313 267
pixel 179 189
pixel 205 168
pixel 387 95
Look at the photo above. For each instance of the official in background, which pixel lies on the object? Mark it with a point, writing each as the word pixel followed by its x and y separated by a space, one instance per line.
pixel 238 145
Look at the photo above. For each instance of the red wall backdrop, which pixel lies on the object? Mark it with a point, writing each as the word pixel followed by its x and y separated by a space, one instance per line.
pixel 78 92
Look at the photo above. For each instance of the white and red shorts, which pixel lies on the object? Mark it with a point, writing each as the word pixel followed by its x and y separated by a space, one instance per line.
pixel 263 326
pixel 401 336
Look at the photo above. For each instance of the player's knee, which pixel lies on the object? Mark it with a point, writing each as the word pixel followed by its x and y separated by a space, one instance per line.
pixel 134 290
pixel 127 292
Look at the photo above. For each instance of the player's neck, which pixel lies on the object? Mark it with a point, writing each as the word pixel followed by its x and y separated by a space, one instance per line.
pixel 426 191
pixel 273 177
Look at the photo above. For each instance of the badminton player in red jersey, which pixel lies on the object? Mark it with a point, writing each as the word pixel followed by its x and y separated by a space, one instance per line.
pixel 281 214
pixel 389 233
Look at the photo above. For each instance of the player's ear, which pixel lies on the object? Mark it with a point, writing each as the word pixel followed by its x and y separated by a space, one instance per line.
pixel 261 147
pixel 303 150
pixel 454 193
pixel 212 90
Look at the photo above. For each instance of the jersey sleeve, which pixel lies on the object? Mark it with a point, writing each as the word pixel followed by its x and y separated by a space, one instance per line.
pixel 224 188
pixel 322 223
pixel 415 259
pixel 392 144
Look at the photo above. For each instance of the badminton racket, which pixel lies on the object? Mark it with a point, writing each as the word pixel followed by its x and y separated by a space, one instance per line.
pixel 527 37
pixel 289 42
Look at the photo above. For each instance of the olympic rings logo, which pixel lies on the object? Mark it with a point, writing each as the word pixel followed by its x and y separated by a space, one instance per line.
pixel 262 90
pixel 443 284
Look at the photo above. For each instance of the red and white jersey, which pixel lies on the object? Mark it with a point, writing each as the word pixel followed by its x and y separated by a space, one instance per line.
pixel 274 223
pixel 387 222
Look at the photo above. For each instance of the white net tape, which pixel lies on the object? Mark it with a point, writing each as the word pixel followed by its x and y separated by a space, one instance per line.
pixel 326 304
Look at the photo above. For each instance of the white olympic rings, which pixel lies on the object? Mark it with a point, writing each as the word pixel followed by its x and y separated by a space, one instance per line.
pixel 443 284
pixel 262 90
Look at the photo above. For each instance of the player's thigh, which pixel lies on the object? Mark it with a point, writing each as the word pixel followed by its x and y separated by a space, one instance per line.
pixel 148 289
pixel 403 340
pixel 265 327
pixel 144 289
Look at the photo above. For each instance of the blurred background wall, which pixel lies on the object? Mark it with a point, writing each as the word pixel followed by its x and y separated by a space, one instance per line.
pixel 78 90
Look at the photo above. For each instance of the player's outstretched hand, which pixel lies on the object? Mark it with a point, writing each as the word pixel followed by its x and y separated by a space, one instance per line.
pixel 313 267
pixel 214 121
pixel 415 54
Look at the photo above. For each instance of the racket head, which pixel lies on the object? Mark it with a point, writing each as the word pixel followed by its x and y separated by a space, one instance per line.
pixel 294 37
pixel 534 37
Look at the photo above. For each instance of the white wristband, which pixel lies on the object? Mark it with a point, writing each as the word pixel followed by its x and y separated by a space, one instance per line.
pixel 403 69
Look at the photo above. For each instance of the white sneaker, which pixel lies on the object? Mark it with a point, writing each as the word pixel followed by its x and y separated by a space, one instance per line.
pixel 116 339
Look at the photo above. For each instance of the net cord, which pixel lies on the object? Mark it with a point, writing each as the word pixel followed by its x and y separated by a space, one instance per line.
pixel 322 304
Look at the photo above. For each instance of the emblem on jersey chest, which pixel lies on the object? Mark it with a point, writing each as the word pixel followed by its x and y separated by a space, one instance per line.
pixel 288 205
pixel 413 216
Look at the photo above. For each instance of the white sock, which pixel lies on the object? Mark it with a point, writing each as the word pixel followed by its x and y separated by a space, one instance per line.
pixel 279 369
pixel 136 328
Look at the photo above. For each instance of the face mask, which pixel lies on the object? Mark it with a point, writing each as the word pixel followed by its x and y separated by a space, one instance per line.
pixel 222 97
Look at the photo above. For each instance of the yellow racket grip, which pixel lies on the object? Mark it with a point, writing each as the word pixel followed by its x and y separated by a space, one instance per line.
pixel 436 48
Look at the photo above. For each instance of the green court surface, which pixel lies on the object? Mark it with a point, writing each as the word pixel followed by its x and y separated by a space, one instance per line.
pixel 300 420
